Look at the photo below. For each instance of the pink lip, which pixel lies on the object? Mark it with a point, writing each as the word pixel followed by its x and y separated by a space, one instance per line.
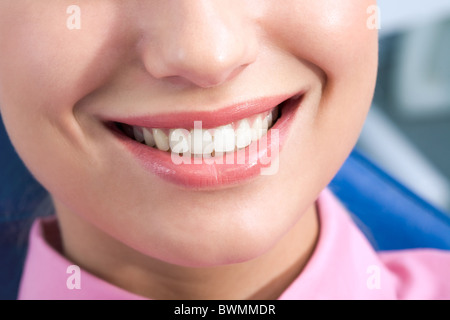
pixel 204 175
pixel 210 119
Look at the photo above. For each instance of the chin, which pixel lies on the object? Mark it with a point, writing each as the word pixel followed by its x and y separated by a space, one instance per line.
pixel 209 251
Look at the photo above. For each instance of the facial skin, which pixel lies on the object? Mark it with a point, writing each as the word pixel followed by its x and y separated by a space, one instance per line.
pixel 157 56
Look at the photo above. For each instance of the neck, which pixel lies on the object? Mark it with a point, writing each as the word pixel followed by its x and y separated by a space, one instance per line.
pixel 265 277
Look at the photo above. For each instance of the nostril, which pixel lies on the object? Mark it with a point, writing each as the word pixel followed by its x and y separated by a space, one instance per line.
pixel 204 72
pixel 203 47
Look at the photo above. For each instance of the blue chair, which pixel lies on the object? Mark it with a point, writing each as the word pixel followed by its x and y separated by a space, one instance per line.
pixel 390 215
pixel 20 195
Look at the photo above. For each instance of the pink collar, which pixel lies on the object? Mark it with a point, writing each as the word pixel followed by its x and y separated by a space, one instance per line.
pixel 343 266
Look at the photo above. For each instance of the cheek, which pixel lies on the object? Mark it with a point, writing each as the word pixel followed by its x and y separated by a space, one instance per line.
pixel 334 36
pixel 330 34
pixel 46 68
pixel 41 56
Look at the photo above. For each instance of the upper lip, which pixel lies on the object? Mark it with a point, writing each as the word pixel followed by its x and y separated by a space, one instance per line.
pixel 210 118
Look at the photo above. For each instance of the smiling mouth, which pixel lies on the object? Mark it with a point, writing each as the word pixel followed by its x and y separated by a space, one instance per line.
pixel 203 139
pixel 226 147
pixel 200 142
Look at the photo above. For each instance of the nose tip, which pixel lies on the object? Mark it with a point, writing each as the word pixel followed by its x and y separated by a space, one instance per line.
pixel 203 48
pixel 204 66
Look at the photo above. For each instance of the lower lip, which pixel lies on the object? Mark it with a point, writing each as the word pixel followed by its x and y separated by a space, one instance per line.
pixel 207 174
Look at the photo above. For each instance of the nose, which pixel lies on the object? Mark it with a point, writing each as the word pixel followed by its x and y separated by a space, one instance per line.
pixel 204 42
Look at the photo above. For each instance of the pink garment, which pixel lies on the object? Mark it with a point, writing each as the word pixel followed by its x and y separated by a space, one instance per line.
pixel 343 266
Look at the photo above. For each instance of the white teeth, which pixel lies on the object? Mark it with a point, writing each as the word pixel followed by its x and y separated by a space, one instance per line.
pixel 138 134
pixel 178 141
pixel 148 137
pixel 243 134
pixel 206 142
pixel 257 129
pixel 269 119
pixel 224 139
pixel 201 142
pixel 161 140
pixel 197 141
pixel 267 122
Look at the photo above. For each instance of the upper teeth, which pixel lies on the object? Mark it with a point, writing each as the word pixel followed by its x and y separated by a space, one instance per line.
pixel 205 142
